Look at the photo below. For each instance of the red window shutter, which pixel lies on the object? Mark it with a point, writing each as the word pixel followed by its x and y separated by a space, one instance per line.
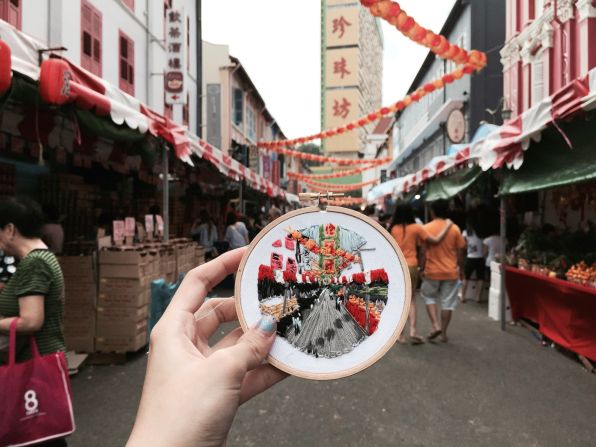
pixel 91 38
pixel 126 57
pixel 97 42
pixel 130 4
pixel 10 11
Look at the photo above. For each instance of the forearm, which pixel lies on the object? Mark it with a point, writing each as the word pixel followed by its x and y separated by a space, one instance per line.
pixel 24 325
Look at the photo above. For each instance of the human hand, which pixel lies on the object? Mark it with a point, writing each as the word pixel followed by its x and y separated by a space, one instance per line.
pixel 192 391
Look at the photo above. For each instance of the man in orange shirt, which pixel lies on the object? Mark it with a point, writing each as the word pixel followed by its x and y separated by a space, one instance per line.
pixel 442 271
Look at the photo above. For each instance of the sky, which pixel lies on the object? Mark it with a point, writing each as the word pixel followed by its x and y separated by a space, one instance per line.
pixel 279 45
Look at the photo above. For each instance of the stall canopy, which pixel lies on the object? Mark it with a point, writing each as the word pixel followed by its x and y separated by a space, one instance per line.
pixel 551 162
pixel 62 82
pixel 506 146
pixel 451 185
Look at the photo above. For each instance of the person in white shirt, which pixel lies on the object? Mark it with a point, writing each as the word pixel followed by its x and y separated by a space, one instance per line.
pixel 475 263
pixel 204 232
pixel 236 232
pixel 492 249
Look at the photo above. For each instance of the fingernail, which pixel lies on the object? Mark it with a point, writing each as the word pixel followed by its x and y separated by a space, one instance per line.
pixel 267 324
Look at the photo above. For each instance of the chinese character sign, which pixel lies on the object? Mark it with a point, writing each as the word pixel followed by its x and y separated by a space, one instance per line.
pixel 342 106
pixel 342 67
pixel 342 26
pixel 174 77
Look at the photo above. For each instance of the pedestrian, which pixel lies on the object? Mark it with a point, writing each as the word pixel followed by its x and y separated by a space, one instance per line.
pixel 236 232
pixel 34 296
pixel 475 262
pixel 204 232
pixel 443 268
pixel 409 236
pixel 492 248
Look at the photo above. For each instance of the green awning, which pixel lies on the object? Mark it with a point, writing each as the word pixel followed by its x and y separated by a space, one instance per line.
pixel 551 162
pixel 450 185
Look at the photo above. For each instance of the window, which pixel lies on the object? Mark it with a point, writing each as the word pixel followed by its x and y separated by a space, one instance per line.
pixel 238 107
pixel 10 11
pixel 91 41
pixel 127 64
pixel 186 111
pixel 130 4
pixel 251 124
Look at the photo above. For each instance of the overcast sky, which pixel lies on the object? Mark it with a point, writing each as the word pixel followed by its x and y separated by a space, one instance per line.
pixel 278 43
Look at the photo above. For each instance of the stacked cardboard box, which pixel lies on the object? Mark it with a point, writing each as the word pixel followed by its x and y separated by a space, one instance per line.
pixel 199 255
pixel 185 255
pixel 123 302
pixel 80 287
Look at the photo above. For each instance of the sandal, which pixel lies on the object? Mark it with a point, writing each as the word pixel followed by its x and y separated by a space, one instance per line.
pixel 416 340
pixel 434 334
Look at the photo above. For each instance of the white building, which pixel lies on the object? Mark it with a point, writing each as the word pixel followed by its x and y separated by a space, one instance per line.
pixel 121 41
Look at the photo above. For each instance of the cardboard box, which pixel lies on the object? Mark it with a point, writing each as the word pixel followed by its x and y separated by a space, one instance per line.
pixel 121 322
pixel 132 301
pixel 121 344
pixel 76 311
pixel 123 257
pixel 80 344
pixel 80 326
pixel 125 270
pixel 130 293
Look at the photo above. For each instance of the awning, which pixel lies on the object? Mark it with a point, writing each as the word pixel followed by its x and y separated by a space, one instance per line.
pixel 62 82
pixel 507 145
pixel 449 186
pixel 551 163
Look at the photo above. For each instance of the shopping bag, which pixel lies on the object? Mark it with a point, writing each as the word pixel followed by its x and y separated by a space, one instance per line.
pixel 35 399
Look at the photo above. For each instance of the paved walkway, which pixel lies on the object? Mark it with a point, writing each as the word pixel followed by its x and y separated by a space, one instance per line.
pixel 484 388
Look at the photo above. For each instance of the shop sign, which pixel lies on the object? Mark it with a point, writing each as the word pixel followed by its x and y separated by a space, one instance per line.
pixel 118 230
pixel 129 227
pixel 174 77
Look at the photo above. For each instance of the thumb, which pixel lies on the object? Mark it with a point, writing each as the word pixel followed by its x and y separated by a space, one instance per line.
pixel 253 347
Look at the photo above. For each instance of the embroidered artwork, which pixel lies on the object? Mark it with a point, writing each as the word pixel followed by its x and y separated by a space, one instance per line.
pixel 336 284
pixel 319 310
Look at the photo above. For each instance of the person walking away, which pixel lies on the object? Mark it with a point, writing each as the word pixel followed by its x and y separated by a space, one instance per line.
pixel 35 293
pixel 409 236
pixel 475 262
pixel 204 232
pixel 443 267
pixel 236 232
pixel 492 249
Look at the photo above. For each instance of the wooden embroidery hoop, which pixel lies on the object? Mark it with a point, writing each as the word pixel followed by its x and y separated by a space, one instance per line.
pixel 339 210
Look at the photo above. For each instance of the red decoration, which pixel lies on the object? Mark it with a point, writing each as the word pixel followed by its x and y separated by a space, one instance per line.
pixel 5 67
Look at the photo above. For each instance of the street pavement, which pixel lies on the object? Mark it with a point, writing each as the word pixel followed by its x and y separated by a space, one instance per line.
pixel 483 388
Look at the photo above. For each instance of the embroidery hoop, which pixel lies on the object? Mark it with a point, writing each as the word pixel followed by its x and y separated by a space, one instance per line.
pixel 321 207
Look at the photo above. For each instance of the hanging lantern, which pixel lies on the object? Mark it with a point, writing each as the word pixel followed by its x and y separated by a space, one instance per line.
pixel 5 67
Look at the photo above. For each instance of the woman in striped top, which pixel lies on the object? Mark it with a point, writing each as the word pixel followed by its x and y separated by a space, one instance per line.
pixel 35 293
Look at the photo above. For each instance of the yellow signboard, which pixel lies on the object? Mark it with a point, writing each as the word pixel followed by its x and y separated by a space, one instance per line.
pixel 342 106
pixel 342 26
pixel 342 67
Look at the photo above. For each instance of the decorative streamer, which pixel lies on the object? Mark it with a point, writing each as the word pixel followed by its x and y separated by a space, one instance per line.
pixel 340 174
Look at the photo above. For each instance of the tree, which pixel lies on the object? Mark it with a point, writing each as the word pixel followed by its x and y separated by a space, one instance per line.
pixel 310 148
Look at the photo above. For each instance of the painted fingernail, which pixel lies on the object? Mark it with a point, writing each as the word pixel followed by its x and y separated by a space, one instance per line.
pixel 267 324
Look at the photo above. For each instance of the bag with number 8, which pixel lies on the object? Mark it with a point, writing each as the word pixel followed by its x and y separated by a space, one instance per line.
pixel 35 396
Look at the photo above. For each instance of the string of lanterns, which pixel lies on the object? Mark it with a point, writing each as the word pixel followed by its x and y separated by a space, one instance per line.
pixel 333 187
pixel 340 174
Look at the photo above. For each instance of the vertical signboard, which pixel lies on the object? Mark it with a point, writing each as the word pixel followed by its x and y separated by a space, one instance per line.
pixel 214 114
pixel 174 77
pixel 341 107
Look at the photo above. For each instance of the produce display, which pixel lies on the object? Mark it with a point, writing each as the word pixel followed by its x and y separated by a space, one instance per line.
pixel 583 274
pixel 569 255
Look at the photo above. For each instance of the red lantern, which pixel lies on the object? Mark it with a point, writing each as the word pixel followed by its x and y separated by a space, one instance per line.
pixel 5 67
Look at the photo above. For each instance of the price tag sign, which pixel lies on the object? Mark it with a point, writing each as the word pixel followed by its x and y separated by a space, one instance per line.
pixel 149 228
pixel 118 230
pixel 129 227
